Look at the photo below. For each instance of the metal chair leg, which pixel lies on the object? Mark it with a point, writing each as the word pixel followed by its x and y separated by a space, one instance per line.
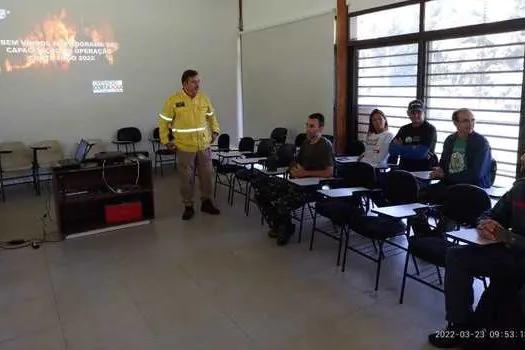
pixel 416 266
pixel 380 260
pixel 440 278
pixel 403 284
pixel 346 232
pixel 2 188
pixel 313 232
pixel 301 225
pixel 340 245
pixel 215 185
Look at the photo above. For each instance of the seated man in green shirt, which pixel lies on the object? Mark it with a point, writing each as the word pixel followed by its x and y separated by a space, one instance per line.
pixel 466 159
pixel 277 198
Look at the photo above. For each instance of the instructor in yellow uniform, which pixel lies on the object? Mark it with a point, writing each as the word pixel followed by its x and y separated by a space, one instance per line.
pixel 190 116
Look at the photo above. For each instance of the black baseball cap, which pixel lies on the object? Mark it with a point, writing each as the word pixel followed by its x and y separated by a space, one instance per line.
pixel 416 105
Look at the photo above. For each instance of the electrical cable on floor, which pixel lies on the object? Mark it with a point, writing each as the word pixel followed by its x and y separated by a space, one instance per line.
pixel 34 243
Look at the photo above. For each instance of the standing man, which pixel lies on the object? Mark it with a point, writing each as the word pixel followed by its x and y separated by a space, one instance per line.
pixel 190 116
pixel 415 142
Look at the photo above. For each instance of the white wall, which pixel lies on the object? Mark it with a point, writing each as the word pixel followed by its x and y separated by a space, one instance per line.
pixel 264 13
pixel 158 42
pixel 288 62
pixel 288 73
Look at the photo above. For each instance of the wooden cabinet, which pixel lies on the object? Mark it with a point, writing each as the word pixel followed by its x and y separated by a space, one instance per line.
pixel 82 195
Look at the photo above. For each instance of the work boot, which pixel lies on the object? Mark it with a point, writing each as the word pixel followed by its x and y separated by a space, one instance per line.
pixel 208 207
pixel 450 337
pixel 189 212
pixel 273 233
pixel 285 233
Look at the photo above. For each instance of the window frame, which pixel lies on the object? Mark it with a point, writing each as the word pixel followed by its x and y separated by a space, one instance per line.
pixel 423 38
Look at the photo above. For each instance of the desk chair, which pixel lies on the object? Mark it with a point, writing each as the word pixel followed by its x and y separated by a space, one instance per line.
pixel 278 135
pixel 162 155
pixel 223 143
pixel 341 211
pixel 265 148
pixel 16 163
pixel 355 148
pixel 463 205
pixel 299 139
pixel 45 155
pixel 128 137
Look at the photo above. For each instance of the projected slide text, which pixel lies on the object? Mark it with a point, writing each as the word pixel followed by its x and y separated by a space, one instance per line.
pixel 57 42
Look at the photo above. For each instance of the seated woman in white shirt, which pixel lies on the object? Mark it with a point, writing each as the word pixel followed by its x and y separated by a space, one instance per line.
pixel 377 140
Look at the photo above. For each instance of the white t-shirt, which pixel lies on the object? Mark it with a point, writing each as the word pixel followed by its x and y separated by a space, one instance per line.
pixel 376 148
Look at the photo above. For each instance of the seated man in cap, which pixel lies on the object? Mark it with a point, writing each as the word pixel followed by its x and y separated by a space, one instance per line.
pixel 415 142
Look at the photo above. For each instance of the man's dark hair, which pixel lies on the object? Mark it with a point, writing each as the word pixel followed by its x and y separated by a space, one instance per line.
pixel 190 73
pixel 319 117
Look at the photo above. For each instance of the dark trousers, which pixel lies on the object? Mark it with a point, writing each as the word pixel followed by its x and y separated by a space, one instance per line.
pixel 276 202
pixel 463 263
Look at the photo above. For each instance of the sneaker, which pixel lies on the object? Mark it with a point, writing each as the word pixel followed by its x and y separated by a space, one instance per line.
pixel 208 207
pixel 285 233
pixel 448 338
pixel 189 212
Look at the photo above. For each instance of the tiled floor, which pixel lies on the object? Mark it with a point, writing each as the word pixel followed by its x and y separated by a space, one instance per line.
pixel 212 283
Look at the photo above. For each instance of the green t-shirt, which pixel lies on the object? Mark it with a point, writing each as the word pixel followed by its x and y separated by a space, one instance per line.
pixel 457 159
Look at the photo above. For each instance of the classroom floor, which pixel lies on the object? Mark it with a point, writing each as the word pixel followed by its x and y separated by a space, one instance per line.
pixel 211 283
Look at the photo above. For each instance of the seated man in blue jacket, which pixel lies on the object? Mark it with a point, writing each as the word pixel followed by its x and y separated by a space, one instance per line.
pixel 415 142
pixel 503 260
pixel 466 157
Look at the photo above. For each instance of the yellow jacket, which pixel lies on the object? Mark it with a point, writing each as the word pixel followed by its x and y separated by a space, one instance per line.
pixel 192 121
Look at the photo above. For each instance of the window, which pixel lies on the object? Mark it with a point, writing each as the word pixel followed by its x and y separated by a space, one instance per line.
pixel 483 73
pixel 387 79
pixel 449 69
pixel 402 20
pixel 442 14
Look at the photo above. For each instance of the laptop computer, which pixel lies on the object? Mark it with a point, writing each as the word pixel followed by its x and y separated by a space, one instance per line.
pixel 80 154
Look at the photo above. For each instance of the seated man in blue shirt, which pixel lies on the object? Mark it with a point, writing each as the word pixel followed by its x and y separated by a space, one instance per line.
pixel 415 142
pixel 466 157
pixel 500 261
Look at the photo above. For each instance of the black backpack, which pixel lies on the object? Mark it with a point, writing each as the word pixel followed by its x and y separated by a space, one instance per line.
pixel 499 321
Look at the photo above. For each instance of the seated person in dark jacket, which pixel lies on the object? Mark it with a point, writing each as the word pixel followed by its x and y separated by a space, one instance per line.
pixel 415 142
pixel 466 157
pixel 502 260
pixel 315 159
